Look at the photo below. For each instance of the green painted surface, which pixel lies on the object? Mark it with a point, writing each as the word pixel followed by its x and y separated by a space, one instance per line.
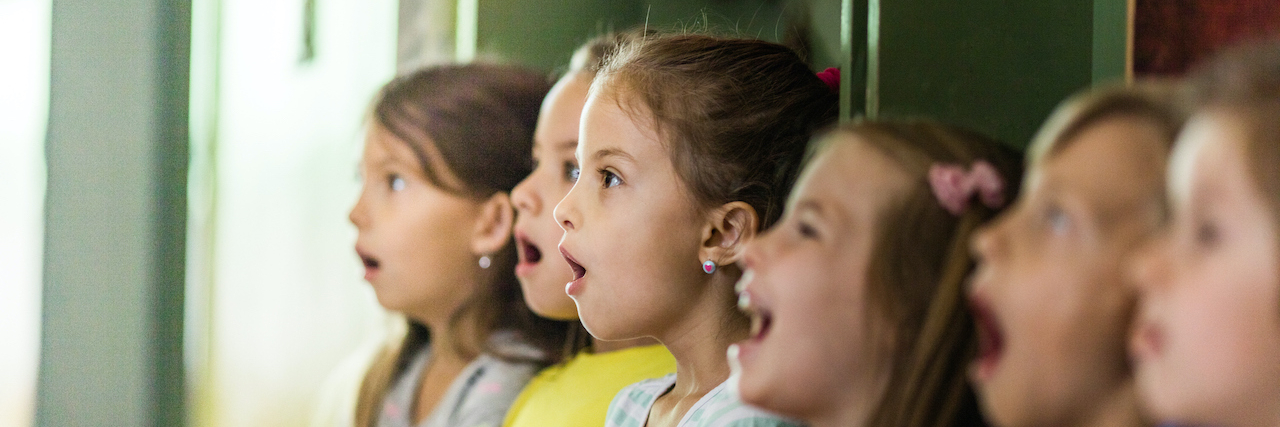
pixel 115 214
pixel 544 34
pixel 996 66
pixel 1110 40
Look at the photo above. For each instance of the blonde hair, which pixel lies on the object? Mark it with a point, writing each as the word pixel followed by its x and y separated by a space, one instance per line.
pixel 919 263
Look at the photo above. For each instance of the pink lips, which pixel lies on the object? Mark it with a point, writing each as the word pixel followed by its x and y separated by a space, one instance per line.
pixel 574 287
pixel 371 265
pixel 990 340
pixel 528 254
pixel 1147 341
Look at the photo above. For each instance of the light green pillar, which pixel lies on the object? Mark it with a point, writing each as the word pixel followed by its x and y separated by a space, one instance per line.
pixel 111 343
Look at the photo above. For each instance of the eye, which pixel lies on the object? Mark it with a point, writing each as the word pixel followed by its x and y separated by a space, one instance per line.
pixel 807 231
pixel 609 179
pixel 1057 220
pixel 1206 234
pixel 571 172
pixel 395 182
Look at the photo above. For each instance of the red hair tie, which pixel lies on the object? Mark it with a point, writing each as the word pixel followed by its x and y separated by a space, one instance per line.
pixel 831 76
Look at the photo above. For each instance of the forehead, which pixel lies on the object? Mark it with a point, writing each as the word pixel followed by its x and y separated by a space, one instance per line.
pixel 607 127
pixel 1109 163
pixel 561 111
pixel 1211 148
pixel 853 175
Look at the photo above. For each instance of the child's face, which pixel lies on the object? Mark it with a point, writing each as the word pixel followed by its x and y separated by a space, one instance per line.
pixel 812 348
pixel 1207 336
pixel 542 271
pixel 1048 295
pixel 631 231
pixel 413 237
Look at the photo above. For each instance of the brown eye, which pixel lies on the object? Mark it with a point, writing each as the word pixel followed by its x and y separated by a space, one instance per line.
pixel 1207 234
pixel 610 179
pixel 806 230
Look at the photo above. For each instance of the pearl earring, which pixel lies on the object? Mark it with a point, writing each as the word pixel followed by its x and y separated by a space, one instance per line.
pixel 485 262
pixel 708 267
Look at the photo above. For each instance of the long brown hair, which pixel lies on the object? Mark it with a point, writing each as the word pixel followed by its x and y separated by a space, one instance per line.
pixel 919 264
pixel 736 114
pixel 478 120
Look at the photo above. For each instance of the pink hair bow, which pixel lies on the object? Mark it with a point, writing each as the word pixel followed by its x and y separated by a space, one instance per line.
pixel 954 187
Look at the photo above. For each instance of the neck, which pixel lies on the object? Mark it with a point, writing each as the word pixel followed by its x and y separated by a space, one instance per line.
pixel 601 346
pixel 445 338
pixel 700 340
pixel 856 405
pixel 1116 409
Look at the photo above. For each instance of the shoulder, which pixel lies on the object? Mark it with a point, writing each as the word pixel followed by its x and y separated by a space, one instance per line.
pixel 723 408
pixel 630 407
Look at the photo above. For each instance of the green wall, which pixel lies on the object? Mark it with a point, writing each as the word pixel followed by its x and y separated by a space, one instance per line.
pixel 544 34
pixel 995 66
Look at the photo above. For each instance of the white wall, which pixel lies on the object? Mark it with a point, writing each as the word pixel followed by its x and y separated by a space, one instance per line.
pixel 275 298
pixel 24 104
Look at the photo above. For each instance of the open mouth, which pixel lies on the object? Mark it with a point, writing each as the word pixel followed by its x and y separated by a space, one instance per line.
pixel 990 339
pixel 528 252
pixel 578 270
pixel 761 317
pixel 761 320
pixel 370 264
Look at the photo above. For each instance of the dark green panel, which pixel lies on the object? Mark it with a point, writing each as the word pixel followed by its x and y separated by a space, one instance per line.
pixel 996 66
pixel 544 34
pixel 1110 40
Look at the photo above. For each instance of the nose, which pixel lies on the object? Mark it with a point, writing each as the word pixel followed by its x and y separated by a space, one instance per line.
pixel 1148 267
pixel 525 198
pixel 988 242
pixel 566 212
pixel 358 216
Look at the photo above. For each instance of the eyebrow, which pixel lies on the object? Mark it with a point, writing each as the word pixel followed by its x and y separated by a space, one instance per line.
pixel 613 152
pixel 567 145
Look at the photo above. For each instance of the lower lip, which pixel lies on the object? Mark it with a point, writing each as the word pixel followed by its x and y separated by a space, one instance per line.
pixel 748 348
pixel 370 273
pixel 575 287
pixel 985 367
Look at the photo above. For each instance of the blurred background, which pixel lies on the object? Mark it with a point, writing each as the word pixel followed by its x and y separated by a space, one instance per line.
pixel 175 175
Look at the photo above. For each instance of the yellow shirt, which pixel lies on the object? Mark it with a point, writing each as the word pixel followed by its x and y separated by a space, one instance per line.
pixel 577 393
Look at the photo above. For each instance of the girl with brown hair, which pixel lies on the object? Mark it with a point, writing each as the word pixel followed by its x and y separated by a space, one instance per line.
pixel 576 392
pixel 445 145
pixel 857 294
pixel 688 147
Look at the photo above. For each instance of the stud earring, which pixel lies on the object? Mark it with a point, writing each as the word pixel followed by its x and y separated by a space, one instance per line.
pixel 485 262
pixel 708 267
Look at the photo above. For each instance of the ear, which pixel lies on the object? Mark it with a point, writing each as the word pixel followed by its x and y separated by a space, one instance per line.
pixel 493 225
pixel 727 231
